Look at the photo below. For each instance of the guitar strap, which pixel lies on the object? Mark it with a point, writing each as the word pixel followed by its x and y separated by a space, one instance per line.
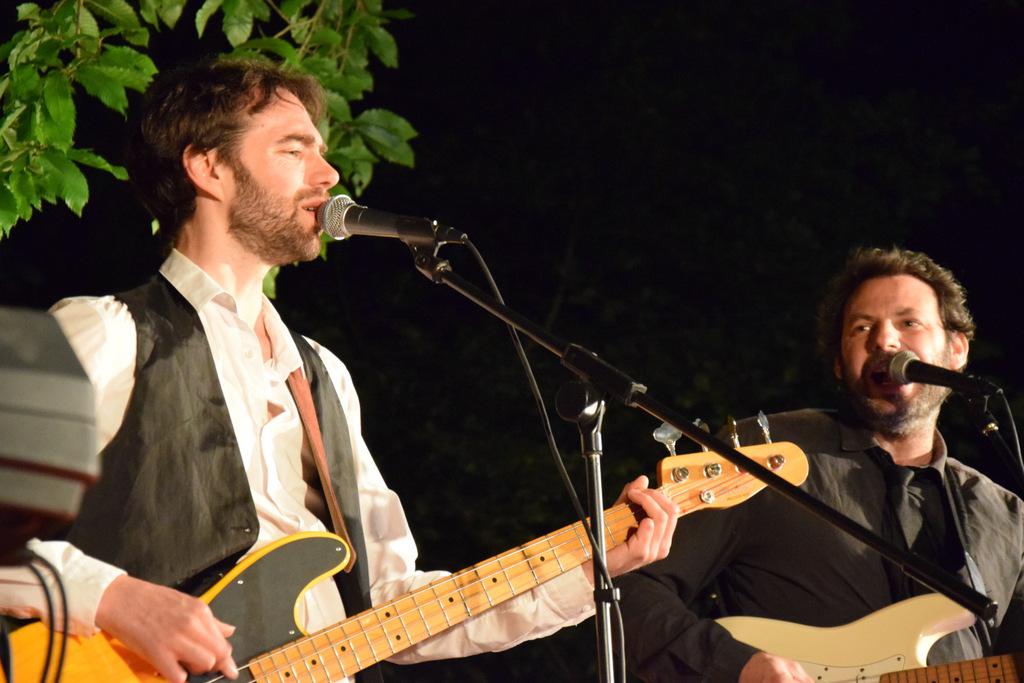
pixel 956 499
pixel 299 387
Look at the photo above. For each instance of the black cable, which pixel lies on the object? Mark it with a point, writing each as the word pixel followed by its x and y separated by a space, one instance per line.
pixel 1013 432
pixel 49 615
pixel 64 614
pixel 599 565
pixel 5 651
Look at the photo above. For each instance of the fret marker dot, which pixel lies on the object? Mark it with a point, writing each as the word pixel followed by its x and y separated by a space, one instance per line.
pixel 450 599
pixel 387 614
pixel 494 580
pixel 398 637
pixel 313 662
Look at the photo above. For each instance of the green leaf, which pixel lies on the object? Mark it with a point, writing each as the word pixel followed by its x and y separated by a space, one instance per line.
pixel 97 82
pixel 353 85
pixel 259 9
pixel 383 45
pixel 57 96
pixel 27 10
pixel 117 12
pixel 73 189
pixel 337 107
pixel 281 48
pixel 141 66
pixel 88 158
pixel 8 211
pixel 51 180
pixel 204 13
pixel 237 23
pixel 148 9
pixel 25 83
pixel 47 131
pixel 389 121
pixel 6 48
pixel 170 11
pixel 9 121
pixel 87 23
pixel 270 282
pixel 137 36
pixel 387 134
pixel 26 197
pixel 48 51
pixel 326 36
pixel 292 8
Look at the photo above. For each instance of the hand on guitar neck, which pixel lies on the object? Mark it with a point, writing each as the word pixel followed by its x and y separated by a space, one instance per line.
pixel 171 630
pixel 653 537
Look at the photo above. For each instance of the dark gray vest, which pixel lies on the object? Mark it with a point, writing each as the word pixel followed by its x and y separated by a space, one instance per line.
pixel 173 505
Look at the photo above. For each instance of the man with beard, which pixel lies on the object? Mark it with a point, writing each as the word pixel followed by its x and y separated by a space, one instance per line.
pixel 880 461
pixel 208 454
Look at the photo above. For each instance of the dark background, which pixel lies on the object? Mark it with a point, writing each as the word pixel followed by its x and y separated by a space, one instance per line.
pixel 669 184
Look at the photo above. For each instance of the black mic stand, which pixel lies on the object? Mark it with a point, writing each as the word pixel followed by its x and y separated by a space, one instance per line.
pixel 988 427
pixel 576 402
pixel 616 384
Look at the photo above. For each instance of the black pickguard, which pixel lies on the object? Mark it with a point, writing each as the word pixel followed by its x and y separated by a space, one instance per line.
pixel 260 599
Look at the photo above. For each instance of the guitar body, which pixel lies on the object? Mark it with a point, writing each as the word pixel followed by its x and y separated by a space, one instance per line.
pixel 258 596
pixel 892 639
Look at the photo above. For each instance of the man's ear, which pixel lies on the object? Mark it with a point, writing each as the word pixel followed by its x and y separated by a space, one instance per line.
pixel 959 346
pixel 205 171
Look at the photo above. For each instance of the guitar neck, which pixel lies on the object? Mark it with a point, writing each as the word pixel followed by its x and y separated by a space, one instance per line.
pixel 701 480
pixel 378 633
pixel 998 669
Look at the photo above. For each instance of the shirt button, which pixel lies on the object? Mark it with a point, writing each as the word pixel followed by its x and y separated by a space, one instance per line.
pixel 249 354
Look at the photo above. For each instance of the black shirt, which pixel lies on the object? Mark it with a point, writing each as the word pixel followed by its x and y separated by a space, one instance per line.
pixel 770 558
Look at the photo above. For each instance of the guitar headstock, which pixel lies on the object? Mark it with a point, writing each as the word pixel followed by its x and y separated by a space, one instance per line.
pixel 707 480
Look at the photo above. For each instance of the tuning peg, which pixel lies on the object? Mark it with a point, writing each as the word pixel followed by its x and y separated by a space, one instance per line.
pixel 762 422
pixel 667 435
pixel 734 435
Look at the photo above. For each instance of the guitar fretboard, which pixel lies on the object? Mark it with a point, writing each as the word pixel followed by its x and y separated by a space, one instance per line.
pixel 378 633
pixel 998 669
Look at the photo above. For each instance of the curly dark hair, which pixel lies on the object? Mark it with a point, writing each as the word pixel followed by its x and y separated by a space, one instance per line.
pixel 867 263
pixel 203 105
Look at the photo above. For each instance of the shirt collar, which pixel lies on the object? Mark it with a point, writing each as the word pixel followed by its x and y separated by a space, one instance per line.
pixel 853 436
pixel 193 282
pixel 199 289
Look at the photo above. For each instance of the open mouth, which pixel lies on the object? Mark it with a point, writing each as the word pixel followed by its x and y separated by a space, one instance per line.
pixel 879 377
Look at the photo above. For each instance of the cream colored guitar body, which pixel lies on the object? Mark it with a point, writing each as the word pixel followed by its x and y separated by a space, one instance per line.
pixel 893 639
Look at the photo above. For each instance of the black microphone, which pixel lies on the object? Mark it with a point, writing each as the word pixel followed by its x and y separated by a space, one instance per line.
pixel 905 367
pixel 340 217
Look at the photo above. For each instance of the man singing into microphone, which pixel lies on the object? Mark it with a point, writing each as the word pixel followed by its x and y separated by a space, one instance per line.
pixel 880 461
pixel 206 457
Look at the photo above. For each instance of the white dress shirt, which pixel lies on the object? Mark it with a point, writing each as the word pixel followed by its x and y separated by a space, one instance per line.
pixel 270 438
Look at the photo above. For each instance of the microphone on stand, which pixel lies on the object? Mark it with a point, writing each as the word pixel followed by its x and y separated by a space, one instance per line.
pixel 905 368
pixel 341 218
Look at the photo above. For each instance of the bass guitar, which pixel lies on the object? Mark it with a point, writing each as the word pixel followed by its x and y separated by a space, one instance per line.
pixel 259 595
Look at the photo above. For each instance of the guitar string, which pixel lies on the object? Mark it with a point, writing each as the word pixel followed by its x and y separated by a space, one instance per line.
pixel 674 491
pixel 979 670
pixel 616 515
